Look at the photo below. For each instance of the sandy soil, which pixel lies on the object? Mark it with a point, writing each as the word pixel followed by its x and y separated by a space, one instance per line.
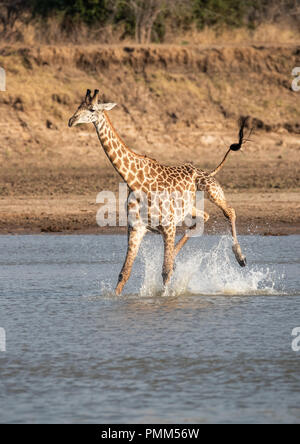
pixel 275 213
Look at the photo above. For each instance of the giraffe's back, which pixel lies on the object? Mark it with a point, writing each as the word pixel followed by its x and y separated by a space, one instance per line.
pixel 155 177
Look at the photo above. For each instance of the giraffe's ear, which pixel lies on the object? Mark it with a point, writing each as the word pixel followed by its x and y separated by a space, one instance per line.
pixel 108 106
pixel 94 99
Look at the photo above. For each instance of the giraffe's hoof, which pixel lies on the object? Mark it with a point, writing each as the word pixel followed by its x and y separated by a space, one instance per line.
pixel 166 278
pixel 119 289
pixel 243 262
pixel 239 255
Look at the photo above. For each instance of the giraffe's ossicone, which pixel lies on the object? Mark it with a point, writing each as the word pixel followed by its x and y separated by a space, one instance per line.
pixel 176 187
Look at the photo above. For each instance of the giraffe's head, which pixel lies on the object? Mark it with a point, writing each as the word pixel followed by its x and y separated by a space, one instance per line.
pixel 90 110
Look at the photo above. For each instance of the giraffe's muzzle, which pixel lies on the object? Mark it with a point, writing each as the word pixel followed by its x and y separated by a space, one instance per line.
pixel 71 122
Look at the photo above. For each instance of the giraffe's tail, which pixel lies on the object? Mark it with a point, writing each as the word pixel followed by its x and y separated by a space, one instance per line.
pixel 235 146
pixel 214 172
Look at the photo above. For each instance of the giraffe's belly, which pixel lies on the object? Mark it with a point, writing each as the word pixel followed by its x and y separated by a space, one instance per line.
pixel 163 208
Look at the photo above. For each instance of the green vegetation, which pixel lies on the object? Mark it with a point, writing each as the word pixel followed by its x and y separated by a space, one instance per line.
pixel 148 20
pixel 88 11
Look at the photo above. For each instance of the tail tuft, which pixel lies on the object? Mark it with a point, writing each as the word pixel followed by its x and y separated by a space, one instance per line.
pixel 235 146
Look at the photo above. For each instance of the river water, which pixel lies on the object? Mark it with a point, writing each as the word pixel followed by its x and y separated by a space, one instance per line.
pixel 216 347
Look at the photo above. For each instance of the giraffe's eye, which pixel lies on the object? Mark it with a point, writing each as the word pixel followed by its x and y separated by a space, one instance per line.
pixel 92 110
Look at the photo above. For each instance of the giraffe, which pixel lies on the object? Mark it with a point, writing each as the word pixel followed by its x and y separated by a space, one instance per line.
pixel 146 175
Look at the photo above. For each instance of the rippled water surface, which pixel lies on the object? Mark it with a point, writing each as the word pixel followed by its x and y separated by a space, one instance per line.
pixel 214 348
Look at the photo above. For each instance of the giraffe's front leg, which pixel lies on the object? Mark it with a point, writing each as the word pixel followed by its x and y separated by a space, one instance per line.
pixel 135 237
pixel 169 254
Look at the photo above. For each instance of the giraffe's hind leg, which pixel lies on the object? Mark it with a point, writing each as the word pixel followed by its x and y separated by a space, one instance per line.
pixel 180 244
pixel 135 237
pixel 216 195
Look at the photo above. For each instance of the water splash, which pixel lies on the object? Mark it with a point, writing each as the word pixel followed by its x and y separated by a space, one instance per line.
pixel 106 292
pixel 210 271
pixel 152 258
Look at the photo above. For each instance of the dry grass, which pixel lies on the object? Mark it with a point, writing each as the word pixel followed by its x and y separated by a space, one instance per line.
pixel 264 34
pixel 50 32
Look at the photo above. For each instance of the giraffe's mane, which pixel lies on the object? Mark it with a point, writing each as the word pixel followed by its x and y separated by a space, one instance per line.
pixel 140 156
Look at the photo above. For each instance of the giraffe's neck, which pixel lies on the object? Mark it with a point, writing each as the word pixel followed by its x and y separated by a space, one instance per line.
pixel 128 164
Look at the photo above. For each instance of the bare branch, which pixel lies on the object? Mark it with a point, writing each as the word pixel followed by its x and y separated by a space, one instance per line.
pixel 146 13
